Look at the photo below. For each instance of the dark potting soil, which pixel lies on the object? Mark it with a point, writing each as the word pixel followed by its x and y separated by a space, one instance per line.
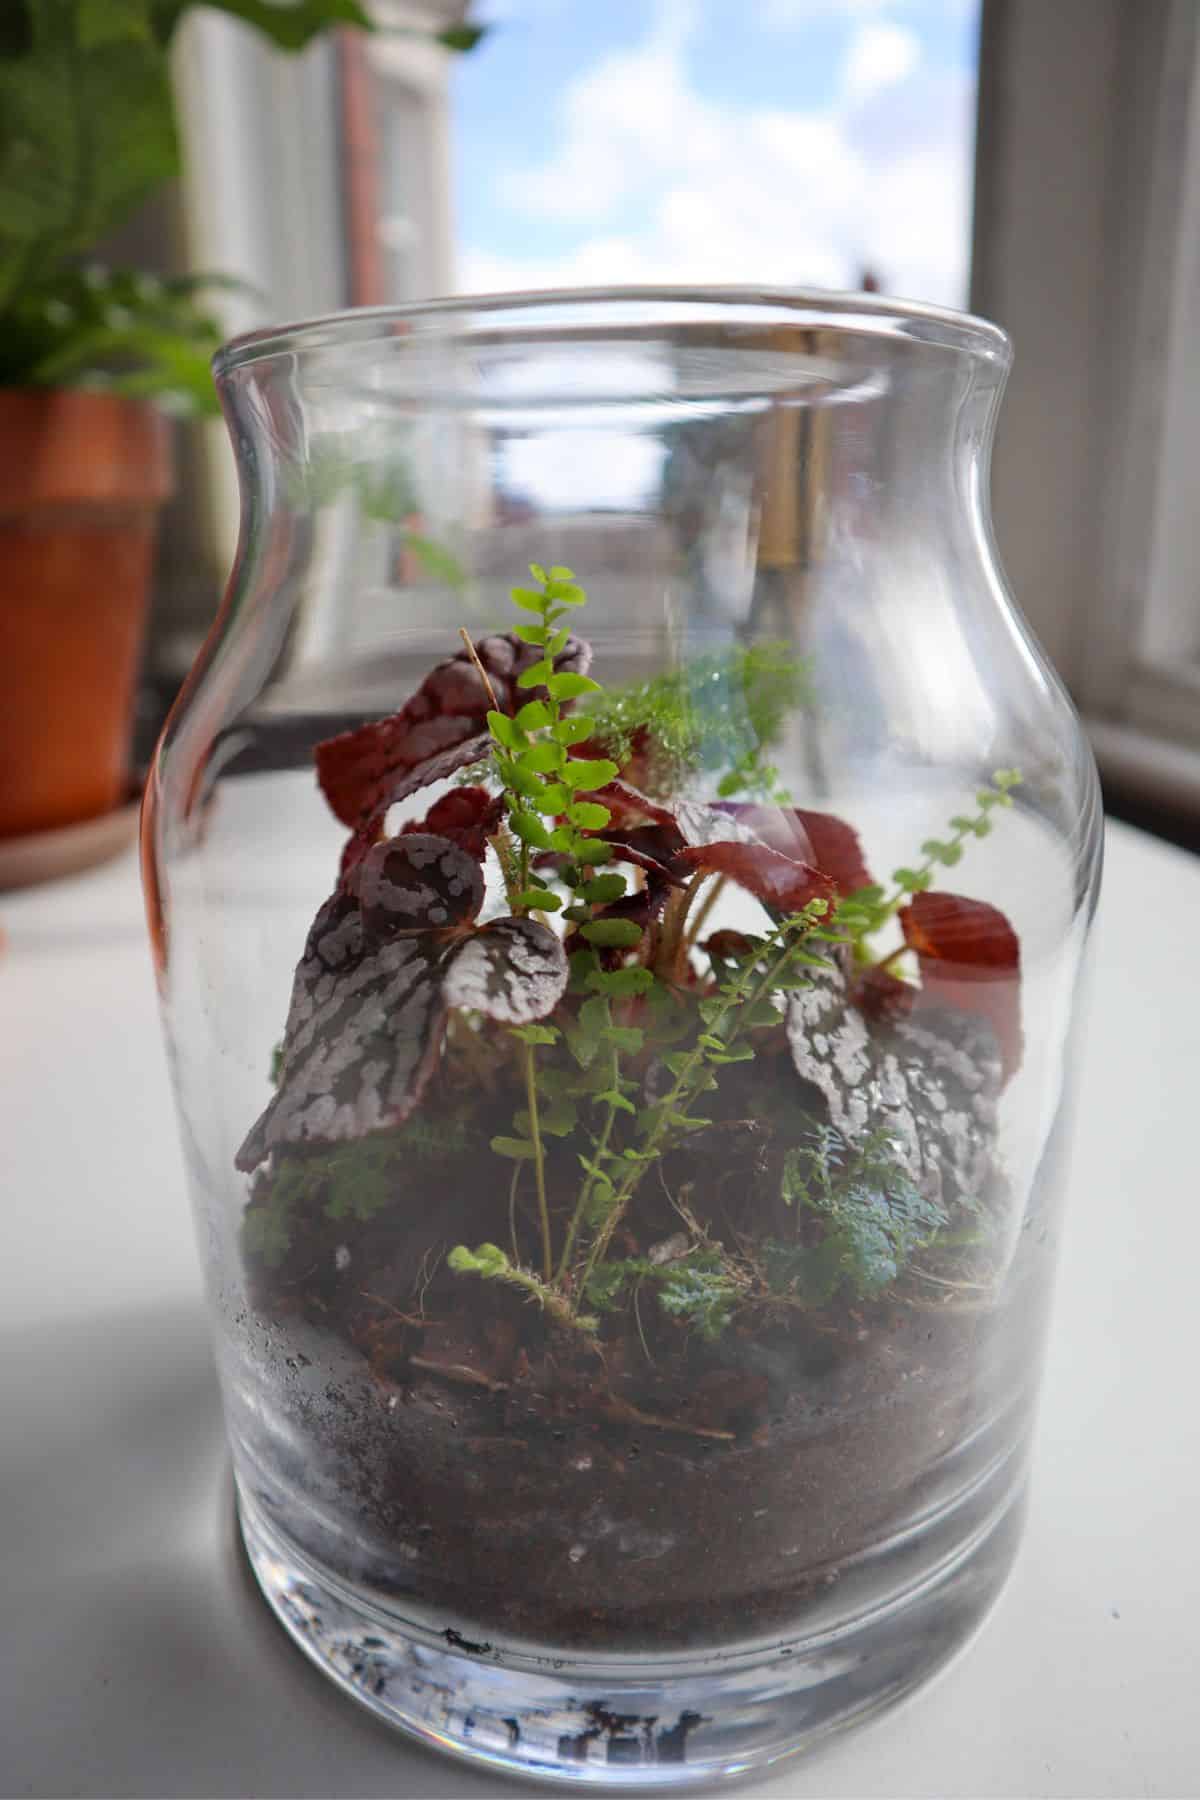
pixel 667 1492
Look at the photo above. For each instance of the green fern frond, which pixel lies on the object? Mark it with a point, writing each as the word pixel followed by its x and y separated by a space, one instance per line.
pixel 718 712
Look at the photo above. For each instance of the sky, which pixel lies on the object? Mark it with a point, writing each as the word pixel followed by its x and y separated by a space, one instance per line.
pixel 792 142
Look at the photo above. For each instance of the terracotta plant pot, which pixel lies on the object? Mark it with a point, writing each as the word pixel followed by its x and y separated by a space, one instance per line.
pixel 82 476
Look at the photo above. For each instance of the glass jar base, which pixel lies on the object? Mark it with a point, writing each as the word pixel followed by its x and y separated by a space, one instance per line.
pixel 632 1722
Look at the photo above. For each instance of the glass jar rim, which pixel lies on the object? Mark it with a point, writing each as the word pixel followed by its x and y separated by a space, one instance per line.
pixel 856 313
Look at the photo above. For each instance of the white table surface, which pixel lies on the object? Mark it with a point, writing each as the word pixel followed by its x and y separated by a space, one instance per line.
pixel 135 1655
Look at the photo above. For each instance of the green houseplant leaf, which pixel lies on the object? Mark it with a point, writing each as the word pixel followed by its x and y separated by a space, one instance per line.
pixel 108 21
pixel 84 135
pixel 117 329
pixel 87 131
pixel 289 26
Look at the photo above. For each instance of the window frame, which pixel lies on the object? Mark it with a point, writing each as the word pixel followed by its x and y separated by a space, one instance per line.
pixel 270 192
pixel 1087 249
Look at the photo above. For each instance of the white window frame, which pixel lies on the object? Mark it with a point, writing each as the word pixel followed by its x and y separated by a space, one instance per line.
pixel 1087 249
pixel 410 75
pixel 262 192
pixel 260 198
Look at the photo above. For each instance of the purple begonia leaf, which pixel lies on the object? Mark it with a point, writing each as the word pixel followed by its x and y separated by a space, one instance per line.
pixel 930 1083
pixel 380 969
pixel 514 970
pixel 417 883
pixel 362 1038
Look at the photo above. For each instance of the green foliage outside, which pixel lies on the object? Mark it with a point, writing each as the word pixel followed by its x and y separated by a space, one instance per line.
pixel 87 132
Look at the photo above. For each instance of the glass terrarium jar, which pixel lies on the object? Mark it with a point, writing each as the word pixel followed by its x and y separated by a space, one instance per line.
pixel 619 874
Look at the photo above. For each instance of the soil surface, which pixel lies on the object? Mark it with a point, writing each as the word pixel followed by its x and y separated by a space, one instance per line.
pixel 668 1492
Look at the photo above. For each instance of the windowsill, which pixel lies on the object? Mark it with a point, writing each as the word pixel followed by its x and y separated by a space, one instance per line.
pixel 1149 780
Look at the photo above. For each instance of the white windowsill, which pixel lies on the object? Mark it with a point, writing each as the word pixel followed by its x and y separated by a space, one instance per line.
pixel 1155 770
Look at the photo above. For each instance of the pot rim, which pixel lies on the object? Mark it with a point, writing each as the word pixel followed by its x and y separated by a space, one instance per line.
pixel 858 314
pixel 81 447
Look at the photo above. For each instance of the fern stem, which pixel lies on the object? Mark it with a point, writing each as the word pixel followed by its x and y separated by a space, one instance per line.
pixel 736 1001
pixel 772 975
pixel 969 828
pixel 702 917
pixel 671 961
pixel 671 931
pixel 539 1163
pixel 465 635
pixel 581 1205
pixel 512 1211
pixel 893 956
pixel 501 843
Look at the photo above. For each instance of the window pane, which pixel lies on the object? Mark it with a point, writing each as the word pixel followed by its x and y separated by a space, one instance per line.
pixel 811 142
pixel 404 133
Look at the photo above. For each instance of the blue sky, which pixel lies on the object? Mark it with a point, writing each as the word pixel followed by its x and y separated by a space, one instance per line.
pixel 715 140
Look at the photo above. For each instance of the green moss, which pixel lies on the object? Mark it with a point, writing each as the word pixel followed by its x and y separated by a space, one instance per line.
pixel 874 1218
pixel 701 1288
pixel 356 1180
pixel 716 713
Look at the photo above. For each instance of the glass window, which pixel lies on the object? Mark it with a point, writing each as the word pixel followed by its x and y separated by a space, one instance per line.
pixel 806 142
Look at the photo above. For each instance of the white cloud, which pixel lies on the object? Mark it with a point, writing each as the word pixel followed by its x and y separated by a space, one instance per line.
pixel 563 469
pixel 631 112
pixel 791 15
pixel 668 185
pixel 880 56
pixel 786 15
pixel 521 12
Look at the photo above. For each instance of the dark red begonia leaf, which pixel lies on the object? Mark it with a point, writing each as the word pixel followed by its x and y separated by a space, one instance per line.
pixel 437 768
pixel 719 840
pixel 638 848
pixel 836 849
pixel 362 772
pixel 646 905
pixel 880 994
pixel 634 811
pixel 969 957
pixel 467 816
pixel 776 880
pixel 778 826
pixel 654 836
pixel 359 769
pixel 821 839
pixel 729 945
